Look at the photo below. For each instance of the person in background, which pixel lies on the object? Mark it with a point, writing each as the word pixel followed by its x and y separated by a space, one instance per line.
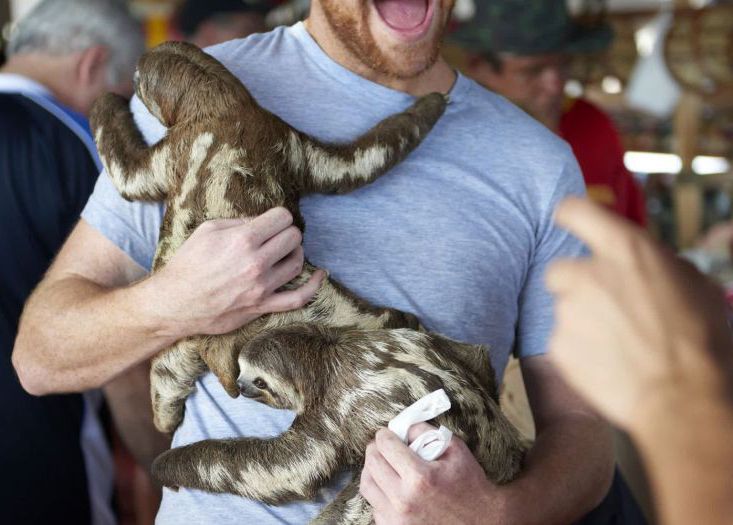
pixel 647 340
pixel 211 22
pixel 56 461
pixel 522 49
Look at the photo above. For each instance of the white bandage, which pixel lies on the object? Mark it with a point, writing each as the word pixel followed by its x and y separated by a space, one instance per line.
pixel 429 445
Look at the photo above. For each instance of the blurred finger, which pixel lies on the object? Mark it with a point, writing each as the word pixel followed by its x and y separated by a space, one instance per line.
pixel 564 274
pixel 599 228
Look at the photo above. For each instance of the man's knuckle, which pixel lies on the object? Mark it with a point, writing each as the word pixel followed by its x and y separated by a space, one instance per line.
pixel 416 485
pixel 258 292
pixel 256 268
pixel 246 240
pixel 405 506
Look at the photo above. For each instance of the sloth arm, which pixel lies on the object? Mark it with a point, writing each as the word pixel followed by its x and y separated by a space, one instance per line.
pixel 292 466
pixel 327 168
pixel 138 171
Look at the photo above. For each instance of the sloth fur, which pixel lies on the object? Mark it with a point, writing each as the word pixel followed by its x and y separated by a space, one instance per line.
pixel 224 156
pixel 344 384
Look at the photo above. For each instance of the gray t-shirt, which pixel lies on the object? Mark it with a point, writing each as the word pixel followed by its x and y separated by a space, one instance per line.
pixel 460 233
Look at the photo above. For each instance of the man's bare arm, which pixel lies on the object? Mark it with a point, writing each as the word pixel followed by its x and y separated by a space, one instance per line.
pixel 569 469
pixel 83 324
pixel 93 317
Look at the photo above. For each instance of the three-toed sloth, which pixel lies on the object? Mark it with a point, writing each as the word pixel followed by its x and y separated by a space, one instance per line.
pixel 224 156
pixel 343 385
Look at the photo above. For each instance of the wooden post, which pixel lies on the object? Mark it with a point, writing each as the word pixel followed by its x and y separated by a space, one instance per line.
pixel 688 200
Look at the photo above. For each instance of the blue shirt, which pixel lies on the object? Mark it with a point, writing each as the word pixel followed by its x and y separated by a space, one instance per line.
pixel 460 233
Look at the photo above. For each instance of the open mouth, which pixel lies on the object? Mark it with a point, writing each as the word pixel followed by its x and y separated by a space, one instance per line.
pixel 408 17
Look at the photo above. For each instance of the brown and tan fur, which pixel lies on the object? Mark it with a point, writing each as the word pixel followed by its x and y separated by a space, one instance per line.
pixel 224 156
pixel 344 384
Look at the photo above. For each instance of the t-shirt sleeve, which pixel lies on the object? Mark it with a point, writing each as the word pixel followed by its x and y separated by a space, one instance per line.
pixel 131 226
pixel 536 303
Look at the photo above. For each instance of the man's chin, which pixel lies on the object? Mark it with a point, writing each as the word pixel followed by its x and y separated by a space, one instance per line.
pixel 402 71
pixel 406 61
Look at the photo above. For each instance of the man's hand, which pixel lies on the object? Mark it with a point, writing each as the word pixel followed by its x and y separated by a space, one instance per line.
pixel 403 488
pixel 227 273
pixel 634 324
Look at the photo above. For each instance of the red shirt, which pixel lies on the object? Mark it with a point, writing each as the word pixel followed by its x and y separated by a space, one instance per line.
pixel 597 147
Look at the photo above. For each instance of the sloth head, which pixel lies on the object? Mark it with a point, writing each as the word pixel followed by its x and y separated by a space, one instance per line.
pixel 178 83
pixel 284 368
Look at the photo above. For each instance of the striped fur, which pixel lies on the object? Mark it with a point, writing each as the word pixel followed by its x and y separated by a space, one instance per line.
pixel 343 385
pixel 224 156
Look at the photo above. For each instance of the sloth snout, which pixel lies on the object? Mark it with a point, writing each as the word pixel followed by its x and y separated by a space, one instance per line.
pixel 248 390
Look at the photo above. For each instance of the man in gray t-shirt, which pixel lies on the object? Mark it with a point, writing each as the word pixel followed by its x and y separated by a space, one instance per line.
pixel 459 234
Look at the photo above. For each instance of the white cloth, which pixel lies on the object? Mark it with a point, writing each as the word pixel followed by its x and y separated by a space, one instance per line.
pixel 429 445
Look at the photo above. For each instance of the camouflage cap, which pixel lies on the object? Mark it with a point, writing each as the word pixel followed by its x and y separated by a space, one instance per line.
pixel 194 12
pixel 528 27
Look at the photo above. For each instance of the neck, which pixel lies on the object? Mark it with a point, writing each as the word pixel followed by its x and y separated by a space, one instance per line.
pixel 50 71
pixel 439 77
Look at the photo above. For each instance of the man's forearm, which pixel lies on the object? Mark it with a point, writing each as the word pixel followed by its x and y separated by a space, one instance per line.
pixel 75 335
pixel 566 475
pixel 687 448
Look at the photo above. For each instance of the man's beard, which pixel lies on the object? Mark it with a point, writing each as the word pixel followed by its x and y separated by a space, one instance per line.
pixel 352 30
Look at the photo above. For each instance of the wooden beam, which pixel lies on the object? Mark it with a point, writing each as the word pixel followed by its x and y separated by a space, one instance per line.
pixel 688 199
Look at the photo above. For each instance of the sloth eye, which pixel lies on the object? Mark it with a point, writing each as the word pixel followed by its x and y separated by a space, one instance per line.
pixel 260 383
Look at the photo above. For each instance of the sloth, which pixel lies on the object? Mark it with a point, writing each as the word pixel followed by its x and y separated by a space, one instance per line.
pixel 223 157
pixel 343 384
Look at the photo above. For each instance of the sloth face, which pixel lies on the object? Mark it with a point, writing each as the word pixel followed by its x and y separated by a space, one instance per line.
pixel 261 385
pixel 284 368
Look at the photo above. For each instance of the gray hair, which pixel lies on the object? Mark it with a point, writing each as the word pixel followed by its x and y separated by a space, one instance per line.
pixel 67 26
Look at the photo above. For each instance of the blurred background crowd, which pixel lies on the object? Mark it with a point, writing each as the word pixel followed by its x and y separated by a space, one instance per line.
pixel 641 89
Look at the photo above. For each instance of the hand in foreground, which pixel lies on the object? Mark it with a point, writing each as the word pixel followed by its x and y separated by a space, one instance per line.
pixel 226 273
pixel 403 488
pixel 635 326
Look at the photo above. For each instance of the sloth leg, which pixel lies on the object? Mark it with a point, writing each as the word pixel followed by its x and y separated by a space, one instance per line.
pixel 343 308
pixel 342 168
pixel 138 172
pixel 173 374
pixel 348 508
pixel 220 354
pixel 292 466
pixel 335 305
